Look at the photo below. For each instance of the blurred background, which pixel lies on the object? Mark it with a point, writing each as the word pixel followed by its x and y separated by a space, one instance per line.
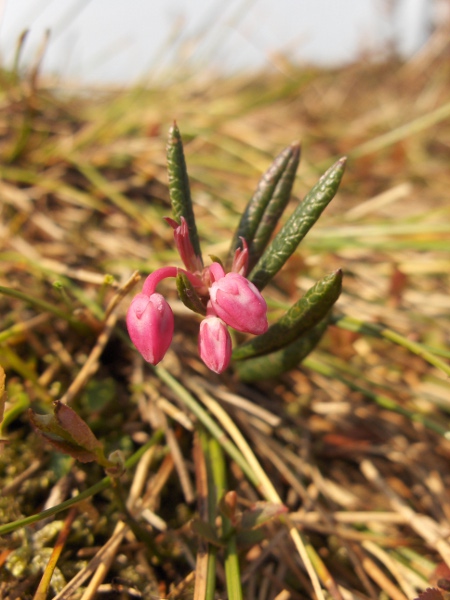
pixel 123 42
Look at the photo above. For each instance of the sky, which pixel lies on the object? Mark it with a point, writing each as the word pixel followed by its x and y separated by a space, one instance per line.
pixel 125 41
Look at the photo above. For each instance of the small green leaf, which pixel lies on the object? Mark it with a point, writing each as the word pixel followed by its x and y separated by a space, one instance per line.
pixel 67 432
pixel 299 319
pixel 254 211
pixel 205 531
pixel 272 365
pixel 216 259
pixel 275 207
pixel 179 190
pixel 297 226
pixel 188 295
pixel 260 514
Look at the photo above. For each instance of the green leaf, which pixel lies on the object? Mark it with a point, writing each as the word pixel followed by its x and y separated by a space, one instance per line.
pixel 67 432
pixel 250 537
pixel 260 514
pixel 300 318
pixel 188 295
pixel 206 531
pixel 272 365
pixel 297 226
pixel 254 211
pixel 179 190
pixel 275 207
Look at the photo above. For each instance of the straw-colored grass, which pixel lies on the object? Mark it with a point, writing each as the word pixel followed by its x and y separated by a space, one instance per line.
pixel 354 442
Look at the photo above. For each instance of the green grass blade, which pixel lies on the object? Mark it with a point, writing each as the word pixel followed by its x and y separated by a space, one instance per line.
pixel 232 568
pixel 376 330
pixel 46 306
pixel 263 195
pixel 298 225
pixel 179 189
pixel 210 448
pixel 300 318
pixel 272 365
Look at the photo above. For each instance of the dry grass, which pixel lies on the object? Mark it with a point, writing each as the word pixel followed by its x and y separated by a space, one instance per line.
pixel 354 441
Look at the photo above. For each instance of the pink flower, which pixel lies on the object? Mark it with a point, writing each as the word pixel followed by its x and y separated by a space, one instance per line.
pixel 230 300
pixel 192 262
pixel 239 303
pixel 150 325
pixel 214 344
pixel 240 259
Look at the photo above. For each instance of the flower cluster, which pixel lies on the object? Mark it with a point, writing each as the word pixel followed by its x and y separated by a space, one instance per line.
pixel 229 300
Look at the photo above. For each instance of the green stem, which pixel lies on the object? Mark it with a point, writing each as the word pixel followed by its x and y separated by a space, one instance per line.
pixel 232 568
pixel 46 306
pixel 140 532
pixel 209 450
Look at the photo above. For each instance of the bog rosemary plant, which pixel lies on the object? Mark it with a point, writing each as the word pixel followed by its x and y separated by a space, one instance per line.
pixel 232 297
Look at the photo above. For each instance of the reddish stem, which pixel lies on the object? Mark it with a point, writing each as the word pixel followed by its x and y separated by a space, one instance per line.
pixel 154 278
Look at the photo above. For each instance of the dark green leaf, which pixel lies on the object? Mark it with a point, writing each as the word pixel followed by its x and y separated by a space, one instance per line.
pixel 188 295
pixel 299 319
pixel 275 207
pixel 297 226
pixel 257 205
pixel 250 537
pixel 205 531
pixel 272 365
pixel 179 190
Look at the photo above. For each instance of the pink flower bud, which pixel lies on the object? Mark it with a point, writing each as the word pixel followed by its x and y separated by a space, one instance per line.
pixel 150 326
pixel 214 344
pixel 240 259
pixel 239 303
pixel 192 262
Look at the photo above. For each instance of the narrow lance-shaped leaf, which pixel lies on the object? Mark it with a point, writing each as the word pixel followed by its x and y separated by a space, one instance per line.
pixel 257 204
pixel 297 226
pixel 299 319
pixel 179 190
pixel 67 432
pixel 269 366
pixel 275 207
pixel 188 295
